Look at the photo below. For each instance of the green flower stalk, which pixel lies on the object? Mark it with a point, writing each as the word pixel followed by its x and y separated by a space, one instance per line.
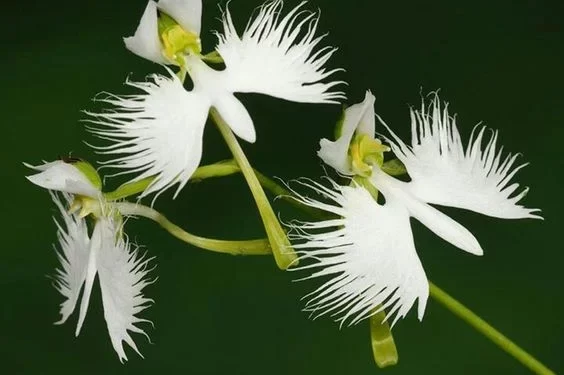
pixel 281 248
pixel 250 247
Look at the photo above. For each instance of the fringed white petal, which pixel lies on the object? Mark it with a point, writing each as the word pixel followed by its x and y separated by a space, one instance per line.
pixel 122 272
pixel 366 257
pixel 160 131
pixel 73 254
pixel 61 176
pixel 145 42
pixel 358 117
pixel 275 56
pixel 441 224
pixel 188 13
pixel 445 172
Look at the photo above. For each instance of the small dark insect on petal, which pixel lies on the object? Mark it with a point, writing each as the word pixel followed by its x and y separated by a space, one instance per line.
pixel 69 159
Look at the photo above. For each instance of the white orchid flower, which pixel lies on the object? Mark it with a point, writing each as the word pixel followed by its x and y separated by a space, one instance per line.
pixel 159 132
pixel 368 250
pixel 65 177
pixel 121 270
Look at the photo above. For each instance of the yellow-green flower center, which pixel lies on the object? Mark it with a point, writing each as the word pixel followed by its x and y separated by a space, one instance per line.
pixel 176 41
pixel 364 153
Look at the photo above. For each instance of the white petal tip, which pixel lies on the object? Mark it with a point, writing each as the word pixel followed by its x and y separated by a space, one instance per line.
pixel 477 251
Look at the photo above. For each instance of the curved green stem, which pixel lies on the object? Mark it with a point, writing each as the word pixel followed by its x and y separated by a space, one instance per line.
pixel 281 248
pixel 250 247
pixel 487 330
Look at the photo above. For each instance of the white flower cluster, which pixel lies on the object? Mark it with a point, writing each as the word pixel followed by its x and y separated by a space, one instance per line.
pixel 365 251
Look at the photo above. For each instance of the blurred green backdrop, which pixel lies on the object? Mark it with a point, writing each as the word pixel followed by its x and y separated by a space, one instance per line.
pixel 499 62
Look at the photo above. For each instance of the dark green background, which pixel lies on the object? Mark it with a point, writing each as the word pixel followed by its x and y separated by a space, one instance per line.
pixel 500 62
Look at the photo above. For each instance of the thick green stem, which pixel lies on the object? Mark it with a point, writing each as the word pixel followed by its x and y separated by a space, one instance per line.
pixel 250 247
pixel 281 248
pixel 487 330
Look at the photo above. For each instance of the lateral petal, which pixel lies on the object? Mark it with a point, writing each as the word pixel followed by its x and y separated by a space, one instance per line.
pixel 122 273
pixel 367 256
pixel 358 117
pixel 274 57
pixel 444 172
pixel 188 13
pixel 61 176
pixel 73 254
pixel 160 131
pixel 442 225
pixel 145 42
pixel 95 245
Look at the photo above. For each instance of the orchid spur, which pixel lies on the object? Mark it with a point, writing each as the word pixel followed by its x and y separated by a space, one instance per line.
pixel 368 249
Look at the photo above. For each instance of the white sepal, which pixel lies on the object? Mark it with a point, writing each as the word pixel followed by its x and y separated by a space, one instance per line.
pixel 188 13
pixel 122 273
pixel 367 256
pixel 160 131
pixel 73 254
pixel 445 172
pixel 146 42
pixel 275 56
pixel 64 177
pixel 356 118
